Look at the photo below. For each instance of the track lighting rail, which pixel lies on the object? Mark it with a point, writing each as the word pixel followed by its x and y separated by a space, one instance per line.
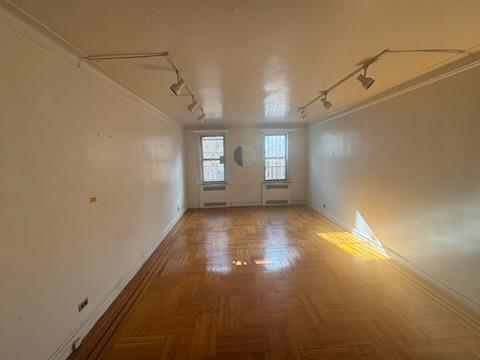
pixel 366 81
pixel 176 87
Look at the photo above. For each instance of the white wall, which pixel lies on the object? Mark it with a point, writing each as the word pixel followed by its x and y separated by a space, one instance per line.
pixel 410 167
pixel 245 182
pixel 67 134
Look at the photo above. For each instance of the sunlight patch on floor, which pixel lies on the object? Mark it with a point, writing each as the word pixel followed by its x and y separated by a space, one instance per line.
pixel 354 246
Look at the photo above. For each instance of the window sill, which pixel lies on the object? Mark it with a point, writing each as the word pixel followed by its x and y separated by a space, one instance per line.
pixel 276 182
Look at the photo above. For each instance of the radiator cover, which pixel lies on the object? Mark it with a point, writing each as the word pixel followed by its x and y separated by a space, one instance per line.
pixel 214 195
pixel 276 194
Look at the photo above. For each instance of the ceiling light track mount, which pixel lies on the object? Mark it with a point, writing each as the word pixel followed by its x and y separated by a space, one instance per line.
pixel 176 88
pixel 361 72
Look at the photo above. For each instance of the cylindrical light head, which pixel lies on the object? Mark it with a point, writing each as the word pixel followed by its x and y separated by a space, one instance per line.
pixel 365 81
pixel 368 82
pixel 326 103
pixel 193 106
pixel 178 86
pixel 201 118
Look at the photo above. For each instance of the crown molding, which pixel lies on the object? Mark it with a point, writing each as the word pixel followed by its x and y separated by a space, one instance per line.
pixel 439 72
pixel 257 125
pixel 23 25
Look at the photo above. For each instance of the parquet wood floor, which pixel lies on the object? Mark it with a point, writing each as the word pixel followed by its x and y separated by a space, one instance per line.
pixel 277 283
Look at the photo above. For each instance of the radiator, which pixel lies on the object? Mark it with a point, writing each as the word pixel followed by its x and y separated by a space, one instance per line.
pixel 276 194
pixel 215 195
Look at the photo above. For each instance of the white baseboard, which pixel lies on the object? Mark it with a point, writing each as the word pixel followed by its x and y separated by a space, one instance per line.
pixel 65 349
pixel 340 223
pixel 402 261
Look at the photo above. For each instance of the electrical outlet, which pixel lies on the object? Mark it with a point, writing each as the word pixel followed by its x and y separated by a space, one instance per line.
pixel 82 305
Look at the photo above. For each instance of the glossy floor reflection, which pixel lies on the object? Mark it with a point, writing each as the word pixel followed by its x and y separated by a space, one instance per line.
pixel 283 283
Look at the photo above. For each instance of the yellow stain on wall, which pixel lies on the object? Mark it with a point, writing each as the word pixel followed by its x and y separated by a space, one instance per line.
pixel 354 246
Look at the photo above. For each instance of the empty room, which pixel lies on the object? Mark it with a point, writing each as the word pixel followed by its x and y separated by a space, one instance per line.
pixel 239 179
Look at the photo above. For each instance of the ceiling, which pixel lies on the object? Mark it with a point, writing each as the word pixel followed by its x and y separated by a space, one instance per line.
pixel 257 61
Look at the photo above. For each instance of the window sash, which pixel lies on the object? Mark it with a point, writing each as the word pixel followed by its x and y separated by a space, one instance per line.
pixel 275 157
pixel 215 172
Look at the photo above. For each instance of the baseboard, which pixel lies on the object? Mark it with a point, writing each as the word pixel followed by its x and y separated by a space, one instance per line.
pixel 65 349
pixel 438 285
pixel 341 223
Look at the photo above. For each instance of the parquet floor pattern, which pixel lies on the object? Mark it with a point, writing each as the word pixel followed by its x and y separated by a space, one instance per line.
pixel 284 283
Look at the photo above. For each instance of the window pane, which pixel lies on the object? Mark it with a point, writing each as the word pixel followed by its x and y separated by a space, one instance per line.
pixel 275 169
pixel 213 170
pixel 275 146
pixel 213 164
pixel 212 147
pixel 276 157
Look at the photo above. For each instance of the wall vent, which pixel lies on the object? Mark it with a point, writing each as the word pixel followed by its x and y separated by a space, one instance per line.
pixel 215 188
pixel 276 186
pixel 276 202
pixel 215 204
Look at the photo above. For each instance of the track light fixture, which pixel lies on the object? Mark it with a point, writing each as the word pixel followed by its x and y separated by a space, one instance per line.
pixel 367 82
pixel 364 80
pixel 178 86
pixel 303 113
pixel 201 118
pixel 326 104
pixel 193 106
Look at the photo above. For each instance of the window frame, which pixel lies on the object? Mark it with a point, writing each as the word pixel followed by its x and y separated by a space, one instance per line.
pixel 202 159
pixel 265 158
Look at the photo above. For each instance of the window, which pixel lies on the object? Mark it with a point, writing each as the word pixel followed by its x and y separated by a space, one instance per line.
pixel 275 157
pixel 213 158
